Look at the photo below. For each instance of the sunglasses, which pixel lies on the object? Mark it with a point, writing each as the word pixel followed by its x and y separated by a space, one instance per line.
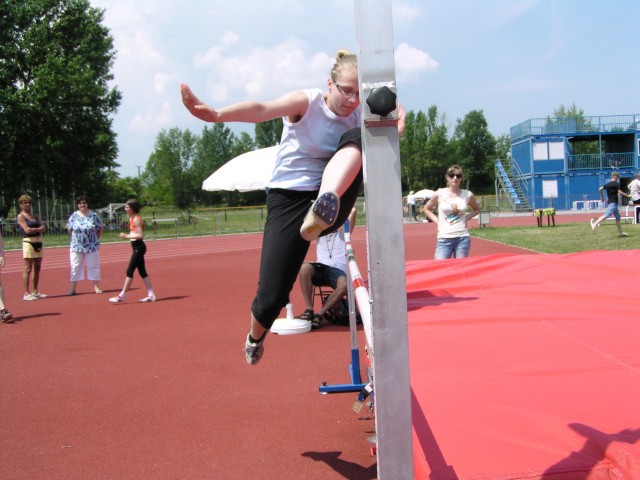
pixel 457 175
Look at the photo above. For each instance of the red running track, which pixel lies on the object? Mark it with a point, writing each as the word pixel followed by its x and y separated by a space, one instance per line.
pixel 162 391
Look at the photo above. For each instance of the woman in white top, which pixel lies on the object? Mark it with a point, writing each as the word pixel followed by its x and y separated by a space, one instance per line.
pixel 634 189
pixel 319 153
pixel 453 204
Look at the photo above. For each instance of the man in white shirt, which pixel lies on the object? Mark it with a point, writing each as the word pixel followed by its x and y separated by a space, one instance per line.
pixel 411 206
pixel 634 189
pixel 329 269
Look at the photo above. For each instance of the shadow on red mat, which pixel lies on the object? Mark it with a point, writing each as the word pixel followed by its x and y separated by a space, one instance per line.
pixel 520 363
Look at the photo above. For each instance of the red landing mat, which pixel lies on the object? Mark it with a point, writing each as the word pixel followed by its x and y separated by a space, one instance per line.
pixel 526 366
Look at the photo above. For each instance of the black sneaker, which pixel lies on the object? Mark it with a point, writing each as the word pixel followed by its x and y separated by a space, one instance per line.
pixel 5 315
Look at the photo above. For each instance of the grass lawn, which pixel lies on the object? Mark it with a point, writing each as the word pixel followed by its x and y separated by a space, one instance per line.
pixel 564 238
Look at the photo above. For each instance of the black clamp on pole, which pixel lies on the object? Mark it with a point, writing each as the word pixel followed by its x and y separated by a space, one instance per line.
pixel 380 104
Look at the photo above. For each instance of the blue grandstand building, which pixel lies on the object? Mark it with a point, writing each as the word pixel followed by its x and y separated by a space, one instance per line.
pixel 561 162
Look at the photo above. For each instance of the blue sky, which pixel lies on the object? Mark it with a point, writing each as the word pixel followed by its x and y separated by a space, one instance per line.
pixel 512 59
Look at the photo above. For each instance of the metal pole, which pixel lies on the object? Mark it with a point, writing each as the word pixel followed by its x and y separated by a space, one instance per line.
pixel 382 175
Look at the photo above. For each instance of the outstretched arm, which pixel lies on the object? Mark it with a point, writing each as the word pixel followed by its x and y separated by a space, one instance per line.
pixel 293 105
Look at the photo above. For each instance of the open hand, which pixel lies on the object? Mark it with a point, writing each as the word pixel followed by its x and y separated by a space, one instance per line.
pixel 196 107
pixel 401 119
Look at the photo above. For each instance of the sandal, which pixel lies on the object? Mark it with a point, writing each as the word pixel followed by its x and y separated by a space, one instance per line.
pixel 316 321
pixel 307 315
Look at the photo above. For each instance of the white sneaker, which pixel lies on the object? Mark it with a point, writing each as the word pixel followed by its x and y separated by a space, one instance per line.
pixel 39 295
pixel 30 297
pixel 117 299
pixel 150 298
pixel 593 225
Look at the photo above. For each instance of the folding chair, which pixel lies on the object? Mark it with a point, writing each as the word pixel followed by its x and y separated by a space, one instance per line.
pixel 322 291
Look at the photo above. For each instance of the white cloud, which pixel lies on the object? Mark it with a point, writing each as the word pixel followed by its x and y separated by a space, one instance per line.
pixel 214 54
pixel 234 51
pixel 405 13
pixel 153 120
pixel 263 71
pixel 143 50
pixel 160 81
pixel 411 62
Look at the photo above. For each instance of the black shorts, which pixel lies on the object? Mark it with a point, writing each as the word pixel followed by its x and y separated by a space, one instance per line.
pixel 326 275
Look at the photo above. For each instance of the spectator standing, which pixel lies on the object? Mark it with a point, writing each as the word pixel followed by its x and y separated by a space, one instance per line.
pixel 31 228
pixel 85 228
pixel 634 189
pixel 411 206
pixel 453 204
pixel 136 237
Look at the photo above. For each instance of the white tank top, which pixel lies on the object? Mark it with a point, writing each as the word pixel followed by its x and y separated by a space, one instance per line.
pixel 307 145
pixel 452 213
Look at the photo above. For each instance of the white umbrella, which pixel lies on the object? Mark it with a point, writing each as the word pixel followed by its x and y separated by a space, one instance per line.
pixel 246 172
pixel 424 193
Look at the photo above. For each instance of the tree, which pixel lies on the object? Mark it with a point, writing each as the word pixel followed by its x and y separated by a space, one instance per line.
pixel 121 189
pixel 268 133
pixel 407 149
pixel 55 101
pixel 166 178
pixel 215 146
pixel 475 150
pixel 573 117
pixel 412 150
pixel 437 151
pixel 572 111
pixel 503 147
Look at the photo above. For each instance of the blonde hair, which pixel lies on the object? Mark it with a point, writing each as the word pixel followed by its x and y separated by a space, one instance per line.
pixel 454 169
pixel 25 198
pixel 343 59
